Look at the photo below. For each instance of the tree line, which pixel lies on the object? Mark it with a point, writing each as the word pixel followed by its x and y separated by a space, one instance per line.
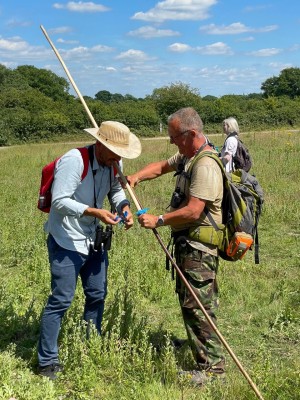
pixel 35 105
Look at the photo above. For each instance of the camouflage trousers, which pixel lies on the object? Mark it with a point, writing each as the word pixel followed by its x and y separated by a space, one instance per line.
pixel 200 270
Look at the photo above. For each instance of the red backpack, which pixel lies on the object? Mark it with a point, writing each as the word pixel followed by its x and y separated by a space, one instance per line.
pixel 45 196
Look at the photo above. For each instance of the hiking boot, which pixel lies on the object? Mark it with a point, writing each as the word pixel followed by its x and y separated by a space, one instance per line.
pixel 194 377
pixel 50 371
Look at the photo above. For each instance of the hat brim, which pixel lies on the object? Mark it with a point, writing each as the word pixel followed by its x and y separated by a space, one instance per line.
pixel 133 150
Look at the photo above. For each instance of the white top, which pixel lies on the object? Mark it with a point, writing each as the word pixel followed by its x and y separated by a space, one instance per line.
pixel 230 147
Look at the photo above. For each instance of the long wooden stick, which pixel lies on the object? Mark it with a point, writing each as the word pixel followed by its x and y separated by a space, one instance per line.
pixel 139 207
pixel 70 77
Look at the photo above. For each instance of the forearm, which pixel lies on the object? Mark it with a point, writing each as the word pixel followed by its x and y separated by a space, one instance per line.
pixel 150 171
pixel 226 158
pixel 181 217
pixel 184 215
pixel 103 215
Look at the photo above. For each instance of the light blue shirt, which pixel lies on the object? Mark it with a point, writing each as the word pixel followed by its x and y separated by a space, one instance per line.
pixel 71 196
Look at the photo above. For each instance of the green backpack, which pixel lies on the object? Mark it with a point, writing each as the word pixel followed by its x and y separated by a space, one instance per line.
pixel 241 209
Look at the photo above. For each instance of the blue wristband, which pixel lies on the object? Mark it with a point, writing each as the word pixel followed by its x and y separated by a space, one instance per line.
pixel 141 212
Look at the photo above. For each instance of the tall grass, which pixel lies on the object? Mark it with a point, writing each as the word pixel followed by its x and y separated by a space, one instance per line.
pixel 259 304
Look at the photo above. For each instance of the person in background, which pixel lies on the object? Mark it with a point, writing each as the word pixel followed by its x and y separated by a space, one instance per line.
pixel 76 245
pixel 196 192
pixel 228 151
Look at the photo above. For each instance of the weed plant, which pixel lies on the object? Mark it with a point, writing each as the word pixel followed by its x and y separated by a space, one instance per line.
pixel 134 359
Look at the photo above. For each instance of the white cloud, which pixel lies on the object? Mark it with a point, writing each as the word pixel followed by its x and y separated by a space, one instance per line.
pixel 60 40
pixel 256 8
pixel 265 52
pixel 294 47
pixel 180 47
pixel 13 44
pixel 77 51
pixel 18 50
pixel 133 56
pixel 100 48
pixel 217 48
pixel 246 39
pixel 110 69
pixel 85 52
pixel 81 6
pixel 228 78
pixel 234 29
pixel 148 32
pixel 211 49
pixel 177 10
pixel 13 23
pixel 60 30
pixel 9 64
pixel 280 66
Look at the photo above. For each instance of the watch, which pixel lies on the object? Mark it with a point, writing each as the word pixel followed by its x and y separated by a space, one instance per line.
pixel 160 221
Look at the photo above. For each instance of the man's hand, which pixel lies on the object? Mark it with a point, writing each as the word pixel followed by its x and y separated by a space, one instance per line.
pixel 132 180
pixel 127 217
pixel 104 216
pixel 148 221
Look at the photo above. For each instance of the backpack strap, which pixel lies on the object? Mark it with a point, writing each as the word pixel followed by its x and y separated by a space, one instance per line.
pixel 210 154
pixel 87 154
pixel 256 247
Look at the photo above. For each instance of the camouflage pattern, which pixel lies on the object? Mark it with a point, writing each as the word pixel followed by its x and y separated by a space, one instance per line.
pixel 200 270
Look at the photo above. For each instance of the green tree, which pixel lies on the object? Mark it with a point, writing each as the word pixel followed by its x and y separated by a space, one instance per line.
pixel 286 84
pixel 104 96
pixel 45 81
pixel 168 99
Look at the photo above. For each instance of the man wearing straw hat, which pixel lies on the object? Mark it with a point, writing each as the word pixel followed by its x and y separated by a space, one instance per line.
pixel 76 245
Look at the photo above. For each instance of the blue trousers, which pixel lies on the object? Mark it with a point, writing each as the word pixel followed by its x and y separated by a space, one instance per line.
pixel 66 265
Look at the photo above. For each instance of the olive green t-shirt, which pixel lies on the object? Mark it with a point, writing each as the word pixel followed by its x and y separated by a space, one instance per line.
pixel 206 183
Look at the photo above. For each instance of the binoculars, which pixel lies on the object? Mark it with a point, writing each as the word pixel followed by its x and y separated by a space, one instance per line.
pixel 103 238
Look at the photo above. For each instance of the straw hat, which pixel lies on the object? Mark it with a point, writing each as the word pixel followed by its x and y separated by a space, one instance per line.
pixel 117 138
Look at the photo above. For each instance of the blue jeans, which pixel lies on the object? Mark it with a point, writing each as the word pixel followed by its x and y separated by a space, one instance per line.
pixel 66 265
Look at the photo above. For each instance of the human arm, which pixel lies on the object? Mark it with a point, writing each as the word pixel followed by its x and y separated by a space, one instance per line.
pixel 67 179
pixel 119 202
pixel 226 158
pixel 206 188
pixel 150 171
pixel 185 215
pixel 70 198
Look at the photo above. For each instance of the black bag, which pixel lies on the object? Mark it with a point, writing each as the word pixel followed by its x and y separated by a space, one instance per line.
pixel 242 158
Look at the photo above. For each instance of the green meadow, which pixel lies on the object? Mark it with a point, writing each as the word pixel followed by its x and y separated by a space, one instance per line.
pixel 259 313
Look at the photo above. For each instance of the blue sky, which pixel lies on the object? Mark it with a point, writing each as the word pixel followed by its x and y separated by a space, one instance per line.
pixel 133 46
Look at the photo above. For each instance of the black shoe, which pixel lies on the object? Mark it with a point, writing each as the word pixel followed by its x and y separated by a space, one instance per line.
pixel 50 371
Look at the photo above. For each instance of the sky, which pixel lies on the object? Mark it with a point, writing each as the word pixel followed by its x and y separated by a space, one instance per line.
pixel 217 47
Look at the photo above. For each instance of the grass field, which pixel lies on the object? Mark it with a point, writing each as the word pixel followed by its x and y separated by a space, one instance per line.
pixel 259 304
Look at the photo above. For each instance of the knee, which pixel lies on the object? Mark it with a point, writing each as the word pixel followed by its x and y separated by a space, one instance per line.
pixel 95 296
pixel 59 303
